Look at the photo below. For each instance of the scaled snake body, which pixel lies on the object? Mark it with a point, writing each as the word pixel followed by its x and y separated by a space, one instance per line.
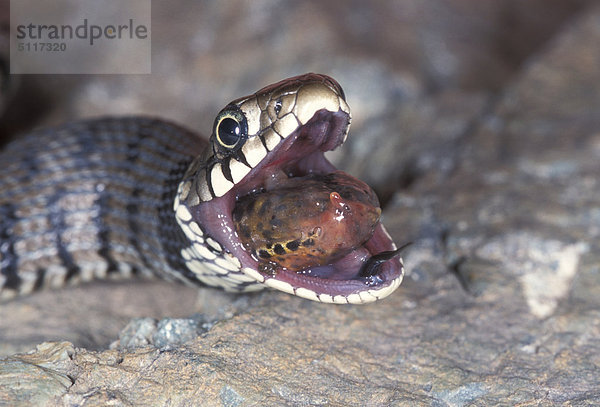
pixel 120 196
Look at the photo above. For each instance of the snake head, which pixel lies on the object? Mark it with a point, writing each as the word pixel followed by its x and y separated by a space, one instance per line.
pixel 263 142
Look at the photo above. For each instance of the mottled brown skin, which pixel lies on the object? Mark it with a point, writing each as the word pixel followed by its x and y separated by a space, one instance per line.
pixel 308 221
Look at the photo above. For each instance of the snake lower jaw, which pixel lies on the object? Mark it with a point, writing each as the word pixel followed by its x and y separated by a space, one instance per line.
pixel 345 280
pixel 370 270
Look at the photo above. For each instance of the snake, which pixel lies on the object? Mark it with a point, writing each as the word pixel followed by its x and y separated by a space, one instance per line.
pixel 116 197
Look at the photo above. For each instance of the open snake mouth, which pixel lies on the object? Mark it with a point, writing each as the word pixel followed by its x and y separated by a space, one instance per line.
pixel 364 273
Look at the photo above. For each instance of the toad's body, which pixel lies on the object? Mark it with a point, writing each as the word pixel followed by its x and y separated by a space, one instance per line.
pixel 308 221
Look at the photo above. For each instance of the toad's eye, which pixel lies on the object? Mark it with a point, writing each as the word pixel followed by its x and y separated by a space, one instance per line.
pixel 230 129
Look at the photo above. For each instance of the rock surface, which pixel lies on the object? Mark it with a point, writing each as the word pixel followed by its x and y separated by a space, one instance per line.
pixel 488 164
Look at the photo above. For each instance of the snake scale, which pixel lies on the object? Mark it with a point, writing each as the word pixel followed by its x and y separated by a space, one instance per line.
pixel 137 195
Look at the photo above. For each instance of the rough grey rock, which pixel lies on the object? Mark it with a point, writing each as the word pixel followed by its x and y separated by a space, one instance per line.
pixel 164 334
pixel 498 191
pixel 35 378
pixel 92 315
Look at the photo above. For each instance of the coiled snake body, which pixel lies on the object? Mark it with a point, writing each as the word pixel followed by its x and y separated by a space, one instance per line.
pixel 120 196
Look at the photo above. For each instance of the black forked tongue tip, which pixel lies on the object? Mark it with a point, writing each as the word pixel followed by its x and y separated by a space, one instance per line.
pixel 369 269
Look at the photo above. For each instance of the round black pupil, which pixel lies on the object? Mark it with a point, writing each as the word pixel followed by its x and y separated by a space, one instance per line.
pixel 229 131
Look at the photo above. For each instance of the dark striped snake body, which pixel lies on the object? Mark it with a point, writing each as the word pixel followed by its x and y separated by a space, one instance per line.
pixel 124 196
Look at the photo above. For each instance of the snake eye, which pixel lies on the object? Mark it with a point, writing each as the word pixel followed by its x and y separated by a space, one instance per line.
pixel 228 132
pixel 230 129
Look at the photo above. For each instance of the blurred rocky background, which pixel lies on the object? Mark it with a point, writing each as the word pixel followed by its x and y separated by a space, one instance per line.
pixel 478 124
